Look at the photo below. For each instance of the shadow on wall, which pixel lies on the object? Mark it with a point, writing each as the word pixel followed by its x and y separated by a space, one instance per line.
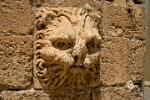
pixel 147 54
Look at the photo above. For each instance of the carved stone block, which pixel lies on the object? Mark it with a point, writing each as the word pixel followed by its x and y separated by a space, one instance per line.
pixel 67 47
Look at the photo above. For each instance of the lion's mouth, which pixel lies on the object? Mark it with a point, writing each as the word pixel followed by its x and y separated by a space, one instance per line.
pixel 78 67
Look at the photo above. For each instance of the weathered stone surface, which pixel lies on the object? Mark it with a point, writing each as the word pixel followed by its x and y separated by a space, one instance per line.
pixel 15 61
pixel 24 95
pixel 66 3
pixel 60 94
pixel 82 94
pixel 136 18
pixel 121 93
pixel 15 16
pixel 139 35
pixel 122 59
pixel 50 95
pixel 114 61
pixel 136 59
pixel 96 93
pixel 67 48
pixel 122 21
pixel 114 19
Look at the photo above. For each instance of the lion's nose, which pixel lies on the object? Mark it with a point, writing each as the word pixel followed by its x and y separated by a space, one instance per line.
pixel 79 53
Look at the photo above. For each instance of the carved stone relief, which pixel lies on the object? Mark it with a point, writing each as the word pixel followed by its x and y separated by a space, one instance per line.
pixel 67 47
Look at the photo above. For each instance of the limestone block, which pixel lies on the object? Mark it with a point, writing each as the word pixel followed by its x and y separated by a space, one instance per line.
pixel 15 16
pixel 16 54
pixel 67 48
pixel 121 93
pixel 114 61
pixel 24 95
pixel 122 59
pixel 136 59
pixel 114 19
pixel 41 95
pixel 136 18
pixel 117 19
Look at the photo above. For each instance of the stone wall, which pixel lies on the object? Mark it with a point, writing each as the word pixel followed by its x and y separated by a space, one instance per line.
pixel 71 49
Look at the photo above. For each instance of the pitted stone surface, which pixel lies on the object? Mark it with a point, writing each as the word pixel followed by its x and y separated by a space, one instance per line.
pixel 16 54
pixel 15 16
pixel 24 95
pixel 121 93
pixel 122 59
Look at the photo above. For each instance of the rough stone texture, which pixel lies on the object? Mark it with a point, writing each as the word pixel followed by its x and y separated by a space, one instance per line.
pixel 67 56
pixel 117 19
pixel 114 19
pixel 114 61
pixel 15 16
pixel 136 59
pixel 65 3
pixel 96 94
pixel 16 54
pixel 82 95
pixel 121 93
pixel 60 94
pixel 122 53
pixel 122 59
pixel 41 95
pixel 83 49
pixel 136 18
pixel 24 95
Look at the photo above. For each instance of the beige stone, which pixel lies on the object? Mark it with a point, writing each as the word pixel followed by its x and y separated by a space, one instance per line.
pixel 139 35
pixel 122 59
pixel 41 95
pixel 136 18
pixel 67 48
pixel 114 61
pixel 24 95
pixel 121 93
pixel 136 59
pixel 16 53
pixel 114 19
pixel 120 21
pixel 15 16
pixel 66 3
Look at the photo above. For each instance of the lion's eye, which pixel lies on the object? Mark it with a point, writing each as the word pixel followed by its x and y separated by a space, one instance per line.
pixel 92 46
pixel 62 45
